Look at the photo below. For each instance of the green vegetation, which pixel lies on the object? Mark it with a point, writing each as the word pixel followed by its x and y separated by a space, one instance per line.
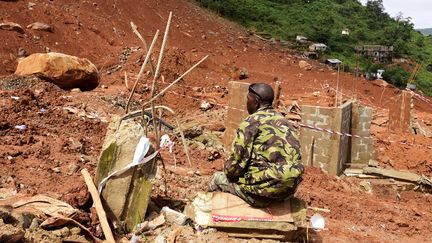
pixel 323 21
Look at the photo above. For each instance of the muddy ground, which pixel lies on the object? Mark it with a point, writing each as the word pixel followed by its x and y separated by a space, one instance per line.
pixel 65 130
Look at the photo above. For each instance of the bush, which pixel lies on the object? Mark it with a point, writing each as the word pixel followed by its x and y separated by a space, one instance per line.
pixel 396 75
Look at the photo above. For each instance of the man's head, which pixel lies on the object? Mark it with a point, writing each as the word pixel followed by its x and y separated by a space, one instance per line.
pixel 260 95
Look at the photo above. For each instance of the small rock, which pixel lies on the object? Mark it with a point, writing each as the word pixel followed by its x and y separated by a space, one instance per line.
pixel 305 65
pixel 85 158
pixel 73 168
pixel 74 144
pixel 75 231
pixel 244 73
pixel 205 105
pixel 172 216
pixel 366 186
pixel 11 26
pixel 11 234
pixel 160 239
pixel 192 130
pixel 214 154
pixel 76 90
pixel 40 26
pixel 34 224
pixel 103 86
pixel 56 169
pixel 30 5
pixel 22 52
pixel 65 232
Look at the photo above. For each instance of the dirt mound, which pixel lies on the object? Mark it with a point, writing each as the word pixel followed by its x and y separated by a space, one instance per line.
pixel 42 145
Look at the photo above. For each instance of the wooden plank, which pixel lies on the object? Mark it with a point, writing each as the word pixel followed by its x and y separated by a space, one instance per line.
pixel 98 205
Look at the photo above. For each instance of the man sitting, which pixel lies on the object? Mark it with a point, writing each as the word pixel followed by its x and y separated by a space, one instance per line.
pixel 264 165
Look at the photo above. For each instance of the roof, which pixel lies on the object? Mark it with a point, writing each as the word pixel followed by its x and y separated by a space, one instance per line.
pixel 319 45
pixel 334 61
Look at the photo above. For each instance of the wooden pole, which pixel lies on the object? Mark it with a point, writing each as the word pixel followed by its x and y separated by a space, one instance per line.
pixel 149 51
pixel 98 205
pixel 184 142
pixel 337 86
pixel 156 76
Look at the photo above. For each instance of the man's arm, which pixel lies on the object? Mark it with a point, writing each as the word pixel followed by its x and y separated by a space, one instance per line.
pixel 242 147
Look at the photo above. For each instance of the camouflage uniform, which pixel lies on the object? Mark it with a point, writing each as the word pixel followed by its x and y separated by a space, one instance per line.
pixel 265 162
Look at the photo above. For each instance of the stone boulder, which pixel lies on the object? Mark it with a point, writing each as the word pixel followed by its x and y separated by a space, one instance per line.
pixel 66 71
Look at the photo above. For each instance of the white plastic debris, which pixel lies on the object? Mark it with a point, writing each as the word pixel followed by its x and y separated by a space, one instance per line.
pixel 15 97
pixel 166 143
pixel 141 150
pixel 317 222
pixel 134 239
pixel 42 110
pixel 21 127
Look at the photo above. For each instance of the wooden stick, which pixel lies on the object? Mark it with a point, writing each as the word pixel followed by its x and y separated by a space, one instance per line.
pixel 98 204
pixel 137 33
pixel 142 69
pixel 184 142
pixel 156 76
pixel 175 81
pixel 337 86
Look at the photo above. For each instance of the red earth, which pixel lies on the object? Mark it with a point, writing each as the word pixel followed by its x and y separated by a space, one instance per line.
pixel 65 129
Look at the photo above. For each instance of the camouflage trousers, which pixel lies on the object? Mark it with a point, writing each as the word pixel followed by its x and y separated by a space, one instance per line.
pixel 219 182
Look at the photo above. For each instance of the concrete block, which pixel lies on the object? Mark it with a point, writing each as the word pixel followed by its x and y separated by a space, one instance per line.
pixel 125 197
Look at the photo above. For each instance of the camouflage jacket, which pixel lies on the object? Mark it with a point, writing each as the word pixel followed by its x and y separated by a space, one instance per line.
pixel 265 159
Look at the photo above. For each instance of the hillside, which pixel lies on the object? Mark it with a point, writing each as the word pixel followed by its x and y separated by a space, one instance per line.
pixel 323 21
pixel 427 31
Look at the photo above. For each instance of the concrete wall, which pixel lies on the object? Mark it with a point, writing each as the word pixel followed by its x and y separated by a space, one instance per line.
pixel 315 145
pixel 332 152
pixel 400 113
pixel 361 148
pixel 343 117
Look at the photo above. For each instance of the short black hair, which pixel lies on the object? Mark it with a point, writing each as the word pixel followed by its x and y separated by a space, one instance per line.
pixel 263 91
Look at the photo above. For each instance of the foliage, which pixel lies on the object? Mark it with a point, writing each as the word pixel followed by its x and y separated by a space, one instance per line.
pixel 323 21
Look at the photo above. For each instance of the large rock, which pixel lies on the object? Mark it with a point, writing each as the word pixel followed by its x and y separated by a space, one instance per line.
pixel 66 71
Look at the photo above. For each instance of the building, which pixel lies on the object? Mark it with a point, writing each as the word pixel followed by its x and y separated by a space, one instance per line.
pixel 320 47
pixel 345 32
pixel 377 52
